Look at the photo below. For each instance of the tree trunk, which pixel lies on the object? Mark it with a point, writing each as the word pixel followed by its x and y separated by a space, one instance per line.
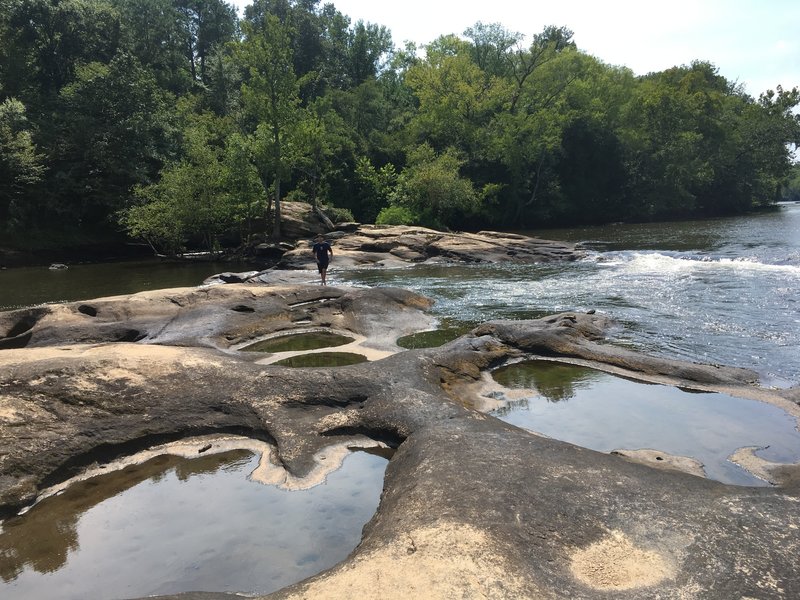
pixel 324 218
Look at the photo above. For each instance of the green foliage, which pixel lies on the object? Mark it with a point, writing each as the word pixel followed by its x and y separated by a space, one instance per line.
pixel 192 124
pixel 339 215
pixel 319 138
pixel 117 125
pixel 431 188
pixel 271 100
pixel 374 188
pixel 20 165
pixel 200 196
pixel 791 191
pixel 397 215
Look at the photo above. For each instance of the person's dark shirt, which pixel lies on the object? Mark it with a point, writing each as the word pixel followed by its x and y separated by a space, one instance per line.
pixel 321 250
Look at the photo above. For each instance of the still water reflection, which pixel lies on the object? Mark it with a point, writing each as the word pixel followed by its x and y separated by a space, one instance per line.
pixel 603 412
pixel 175 524
pixel 27 286
pixel 322 359
pixel 299 341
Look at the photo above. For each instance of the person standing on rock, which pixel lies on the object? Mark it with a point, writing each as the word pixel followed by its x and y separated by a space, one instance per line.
pixel 321 250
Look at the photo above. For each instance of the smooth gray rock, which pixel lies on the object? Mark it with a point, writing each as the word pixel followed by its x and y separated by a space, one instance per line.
pixel 472 506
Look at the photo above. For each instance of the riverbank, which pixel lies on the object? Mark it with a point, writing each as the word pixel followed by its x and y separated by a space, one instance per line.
pixel 73 254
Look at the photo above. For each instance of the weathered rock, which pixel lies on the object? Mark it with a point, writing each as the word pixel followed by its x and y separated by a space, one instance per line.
pixel 221 316
pixel 372 245
pixel 236 277
pixel 472 506
pixel 298 221
pixel 272 250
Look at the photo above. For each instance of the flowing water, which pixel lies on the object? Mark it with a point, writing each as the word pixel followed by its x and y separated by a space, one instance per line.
pixel 723 291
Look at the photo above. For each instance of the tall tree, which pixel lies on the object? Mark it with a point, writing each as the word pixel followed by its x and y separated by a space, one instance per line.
pixel 456 98
pixel 271 101
pixel 44 40
pixel 116 125
pixel 207 24
pixel 191 198
pixel 153 31
pixel 20 165
pixel 432 189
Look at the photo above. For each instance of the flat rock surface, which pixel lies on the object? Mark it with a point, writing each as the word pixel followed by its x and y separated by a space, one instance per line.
pixel 398 245
pixel 472 507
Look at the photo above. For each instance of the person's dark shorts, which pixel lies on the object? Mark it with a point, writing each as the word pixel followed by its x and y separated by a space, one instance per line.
pixel 322 265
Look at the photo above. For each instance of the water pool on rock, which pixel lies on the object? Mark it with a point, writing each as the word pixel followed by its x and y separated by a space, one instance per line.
pixel 299 341
pixel 604 412
pixel 449 331
pixel 174 524
pixel 322 359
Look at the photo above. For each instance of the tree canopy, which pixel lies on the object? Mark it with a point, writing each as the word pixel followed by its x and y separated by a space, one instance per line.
pixel 178 122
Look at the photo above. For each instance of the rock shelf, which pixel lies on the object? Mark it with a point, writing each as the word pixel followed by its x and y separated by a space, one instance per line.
pixel 471 507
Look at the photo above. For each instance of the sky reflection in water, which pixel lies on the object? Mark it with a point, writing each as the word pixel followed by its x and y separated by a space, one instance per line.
pixel 174 524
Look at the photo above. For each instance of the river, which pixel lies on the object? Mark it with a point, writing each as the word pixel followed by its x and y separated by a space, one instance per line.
pixel 723 291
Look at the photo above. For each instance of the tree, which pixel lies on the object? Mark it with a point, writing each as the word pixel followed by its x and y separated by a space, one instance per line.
pixel 431 188
pixel 368 44
pixel 153 32
pixel 20 164
pixel 491 47
pixel 791 190
pixel 319 138
pixel 373 188
pixel 45 40
pixel 271 101
pixel 526 137
pixel 456 99
pixel 207 24
pixel 241 181
pixel 116 127
pixel 195 196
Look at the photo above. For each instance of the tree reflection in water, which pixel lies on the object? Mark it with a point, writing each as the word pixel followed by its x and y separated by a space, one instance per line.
pixel 43 538
pixel 555 381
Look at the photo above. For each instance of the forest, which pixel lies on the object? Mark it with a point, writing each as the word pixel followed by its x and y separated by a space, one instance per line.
pixel 184 124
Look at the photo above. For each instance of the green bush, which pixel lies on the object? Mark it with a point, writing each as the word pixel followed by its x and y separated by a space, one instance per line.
pixel 397 215
pixel 339 215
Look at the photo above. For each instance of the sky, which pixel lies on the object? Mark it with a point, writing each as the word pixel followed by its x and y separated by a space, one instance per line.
pixel 751 42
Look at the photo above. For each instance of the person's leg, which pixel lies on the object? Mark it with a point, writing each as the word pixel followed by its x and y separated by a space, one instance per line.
pixel 324 274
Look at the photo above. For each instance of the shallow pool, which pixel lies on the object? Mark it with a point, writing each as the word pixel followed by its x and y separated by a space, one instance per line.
pixel 603 412
pixel 293 342
pixel 174 524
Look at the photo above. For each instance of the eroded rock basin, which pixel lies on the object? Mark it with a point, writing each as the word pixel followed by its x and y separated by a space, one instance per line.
pixel 597 410
pixel 176 523
pixel 471 506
